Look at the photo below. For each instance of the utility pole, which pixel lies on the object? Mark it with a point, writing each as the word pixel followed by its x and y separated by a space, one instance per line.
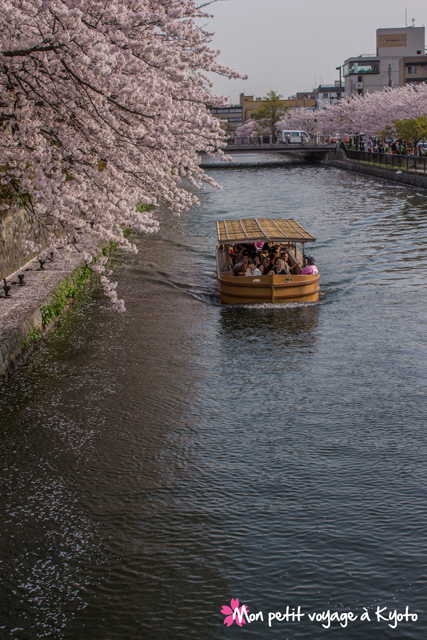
pixel 339 90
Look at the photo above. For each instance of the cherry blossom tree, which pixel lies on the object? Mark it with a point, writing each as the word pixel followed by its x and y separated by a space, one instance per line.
pixel 247 129
pixel 104 108
pixel 301 119
pixel 369 115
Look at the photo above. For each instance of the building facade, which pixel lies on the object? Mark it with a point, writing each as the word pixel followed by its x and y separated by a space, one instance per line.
pixel 412 70
pixel 326 94
pixel 250 104
pixel 361 75
pixel 231 117
pixel 368 73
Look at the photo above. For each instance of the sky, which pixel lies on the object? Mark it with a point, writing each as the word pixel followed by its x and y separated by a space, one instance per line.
pixel 295 45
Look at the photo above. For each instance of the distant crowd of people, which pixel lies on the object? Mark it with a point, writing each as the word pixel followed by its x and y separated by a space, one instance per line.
pixel 261 259
pixel 396 147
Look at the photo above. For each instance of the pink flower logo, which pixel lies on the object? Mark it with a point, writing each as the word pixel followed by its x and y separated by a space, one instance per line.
pixel 234 613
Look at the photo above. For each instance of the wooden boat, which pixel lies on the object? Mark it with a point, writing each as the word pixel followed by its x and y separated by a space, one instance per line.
pixel 276 289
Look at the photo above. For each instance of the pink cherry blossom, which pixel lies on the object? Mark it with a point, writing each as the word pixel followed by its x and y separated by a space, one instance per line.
pixel 104 107
pixel 247 129
pixel 369 115
pixel 234 613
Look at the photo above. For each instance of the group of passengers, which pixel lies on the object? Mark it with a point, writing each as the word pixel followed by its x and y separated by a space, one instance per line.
pixel 261 259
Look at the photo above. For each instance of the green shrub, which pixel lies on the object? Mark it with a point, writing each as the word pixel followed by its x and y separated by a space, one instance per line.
pixel 66 291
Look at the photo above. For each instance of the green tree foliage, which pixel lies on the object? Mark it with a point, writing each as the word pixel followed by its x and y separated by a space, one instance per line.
pixel 270 112
pixel 411 129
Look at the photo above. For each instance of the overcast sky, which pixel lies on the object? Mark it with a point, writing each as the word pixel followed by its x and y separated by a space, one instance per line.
pixel 294 45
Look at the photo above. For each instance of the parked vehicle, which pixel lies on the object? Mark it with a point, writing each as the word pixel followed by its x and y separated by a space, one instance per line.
pixel 298 137
pixel 337 137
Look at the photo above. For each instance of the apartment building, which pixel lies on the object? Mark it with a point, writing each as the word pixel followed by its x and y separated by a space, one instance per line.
pixel 412 70
pixel 400 53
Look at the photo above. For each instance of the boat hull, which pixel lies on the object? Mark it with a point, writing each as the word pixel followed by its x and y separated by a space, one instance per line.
pixel 270 289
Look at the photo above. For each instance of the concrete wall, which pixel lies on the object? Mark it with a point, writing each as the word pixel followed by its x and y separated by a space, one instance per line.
pixel 341 162
pixel 14 228
pixel 21 317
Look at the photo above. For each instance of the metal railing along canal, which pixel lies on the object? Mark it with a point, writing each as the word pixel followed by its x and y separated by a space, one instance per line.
pixel 390 160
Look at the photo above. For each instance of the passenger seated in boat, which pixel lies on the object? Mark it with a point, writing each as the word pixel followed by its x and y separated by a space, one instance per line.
pixel 240 268
pixel 247 250
pixel 281 268
pixel 237 253
pixel 252 270
pixel 310 268
pixel 265 265
pixel 285 257
pixel 264 251
pixel 274 255
pixel 258 263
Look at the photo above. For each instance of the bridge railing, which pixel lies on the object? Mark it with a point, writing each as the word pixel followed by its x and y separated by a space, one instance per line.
pixel 390 160
pixel 256 140
pixel 259 140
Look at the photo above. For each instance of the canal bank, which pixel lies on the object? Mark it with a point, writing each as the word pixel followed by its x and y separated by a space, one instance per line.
pixel 411 179
pixel 32 293
pixel 30 309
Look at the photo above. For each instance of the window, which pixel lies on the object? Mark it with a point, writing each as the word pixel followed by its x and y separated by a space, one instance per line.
pixel 325 95
pixel 355 68
pixel 411 69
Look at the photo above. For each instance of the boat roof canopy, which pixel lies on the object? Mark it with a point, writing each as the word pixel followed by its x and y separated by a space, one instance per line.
pixel 261 230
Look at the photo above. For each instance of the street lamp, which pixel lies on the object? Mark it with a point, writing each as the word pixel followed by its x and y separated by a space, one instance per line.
pixel 339 91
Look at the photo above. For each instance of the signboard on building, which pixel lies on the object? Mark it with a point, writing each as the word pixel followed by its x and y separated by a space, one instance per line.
pixel 391 39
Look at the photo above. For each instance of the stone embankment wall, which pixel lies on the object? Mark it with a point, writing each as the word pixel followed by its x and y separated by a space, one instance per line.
pixel 15 227
pixel 32 308
pixel 29 310
pixel 340 161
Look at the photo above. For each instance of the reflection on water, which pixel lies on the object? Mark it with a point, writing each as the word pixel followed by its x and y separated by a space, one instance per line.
pixel 293 324
pixel 158 463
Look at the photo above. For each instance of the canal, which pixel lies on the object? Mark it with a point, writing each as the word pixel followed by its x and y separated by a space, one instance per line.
pixel 157 463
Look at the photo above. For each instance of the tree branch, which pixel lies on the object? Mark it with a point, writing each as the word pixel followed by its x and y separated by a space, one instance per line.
pixel 26 52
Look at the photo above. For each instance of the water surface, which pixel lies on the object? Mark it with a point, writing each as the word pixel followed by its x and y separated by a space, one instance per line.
pixel 158 463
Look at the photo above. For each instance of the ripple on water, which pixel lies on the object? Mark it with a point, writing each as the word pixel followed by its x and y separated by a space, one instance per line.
pixel 159 462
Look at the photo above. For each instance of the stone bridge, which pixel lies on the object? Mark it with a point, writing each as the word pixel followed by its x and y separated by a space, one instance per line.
pixel 309 151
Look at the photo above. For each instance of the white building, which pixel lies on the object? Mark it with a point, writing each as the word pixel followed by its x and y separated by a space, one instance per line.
pixel 368 73
pixel 326 94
